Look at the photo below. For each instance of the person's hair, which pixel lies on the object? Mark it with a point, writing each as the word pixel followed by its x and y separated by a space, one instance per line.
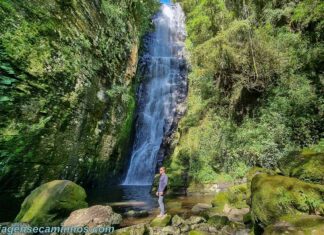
pixel 162 167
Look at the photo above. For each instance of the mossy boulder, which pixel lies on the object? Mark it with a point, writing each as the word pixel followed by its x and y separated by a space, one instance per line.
pixel 235 197
pixel 211 212
pixel 171 230
pixel 195 220
pixel 138 229
pixel 161 222
pixel 220 201
pixel 177 221
pixel 218 221
pixel 306 166
pixel 249 176
pixel 275 196
pixel 257 170
pixel 51 203
pixel 297 224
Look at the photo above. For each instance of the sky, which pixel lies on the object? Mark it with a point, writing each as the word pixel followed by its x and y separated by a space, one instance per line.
pixel 165 1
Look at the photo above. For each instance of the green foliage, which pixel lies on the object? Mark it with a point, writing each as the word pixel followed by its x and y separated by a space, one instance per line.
pixel 306 166
pixel 63 87
pixel 308 15
pixel 316 148
pixel 218 221
pixel 201 27
pixel 255 85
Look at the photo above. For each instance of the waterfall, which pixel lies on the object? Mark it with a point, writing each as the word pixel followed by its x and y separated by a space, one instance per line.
pixel 161 93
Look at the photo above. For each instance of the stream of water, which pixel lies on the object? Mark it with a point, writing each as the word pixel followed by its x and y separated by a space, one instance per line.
pixel 160 93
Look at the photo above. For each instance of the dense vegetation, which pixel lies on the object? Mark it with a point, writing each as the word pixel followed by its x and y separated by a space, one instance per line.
pixel 66 88
pixel 255 117
pixel 256 86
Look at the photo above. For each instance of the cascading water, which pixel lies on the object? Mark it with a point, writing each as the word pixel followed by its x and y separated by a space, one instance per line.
pixel 161 94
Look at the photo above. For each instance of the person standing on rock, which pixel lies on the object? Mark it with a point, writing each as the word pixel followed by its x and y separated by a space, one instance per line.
pixel 162 190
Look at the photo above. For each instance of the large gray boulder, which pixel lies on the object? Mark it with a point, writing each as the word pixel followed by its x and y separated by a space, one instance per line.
pixel 95 216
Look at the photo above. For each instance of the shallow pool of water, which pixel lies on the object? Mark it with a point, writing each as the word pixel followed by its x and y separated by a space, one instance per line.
pixel 125 198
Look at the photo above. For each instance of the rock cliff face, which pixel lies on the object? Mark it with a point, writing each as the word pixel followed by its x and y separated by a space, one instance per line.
pixel 67 89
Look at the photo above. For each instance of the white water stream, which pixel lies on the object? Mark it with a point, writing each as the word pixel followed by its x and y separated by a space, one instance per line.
pixel 158 97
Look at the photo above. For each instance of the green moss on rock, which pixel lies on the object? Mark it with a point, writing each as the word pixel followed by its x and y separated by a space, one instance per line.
pixel 197 232
pixel 219 201
pixel 275 196
pixel 238 195
pixel 139 229
pixel 307 166
pixel 297 224
pixel 52 202
pixel 67 72
pixel 161 222
pixel 257 170
pixel 235 196
pixel 218 221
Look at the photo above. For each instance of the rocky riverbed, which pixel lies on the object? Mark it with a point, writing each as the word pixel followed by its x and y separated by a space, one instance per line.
pixel 265 202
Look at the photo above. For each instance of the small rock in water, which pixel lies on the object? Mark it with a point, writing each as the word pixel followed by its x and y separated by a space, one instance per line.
pixel 201 207
pixel 235 214
pixel 133 213
pixel 128 203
